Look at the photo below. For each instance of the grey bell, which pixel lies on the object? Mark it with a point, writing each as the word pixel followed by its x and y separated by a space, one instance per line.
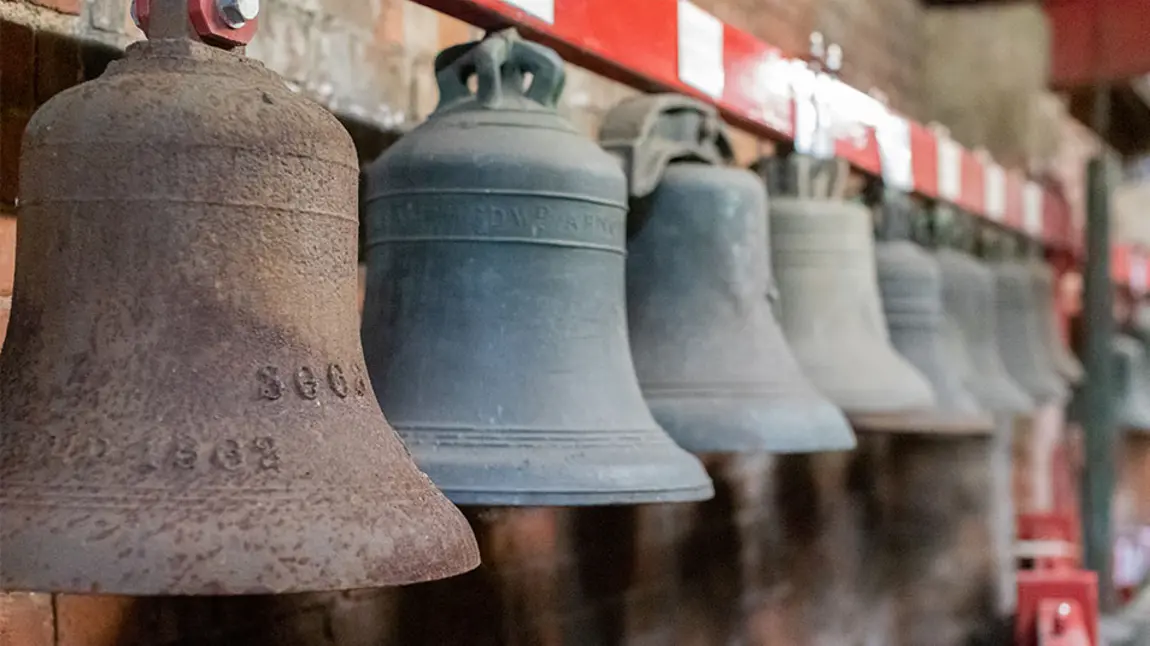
pixel 830 308
pixel 911 285
pixel 711 359
pixel 1132 384
pixel 969 295
pixel 1021 332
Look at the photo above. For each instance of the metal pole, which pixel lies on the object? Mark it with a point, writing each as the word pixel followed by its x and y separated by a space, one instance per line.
pixel 1099 424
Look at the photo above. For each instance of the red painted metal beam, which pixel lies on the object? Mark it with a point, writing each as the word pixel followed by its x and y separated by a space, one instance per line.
pixel 1097 41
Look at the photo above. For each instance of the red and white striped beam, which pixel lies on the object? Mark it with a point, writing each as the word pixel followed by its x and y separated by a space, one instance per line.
pixel 674 46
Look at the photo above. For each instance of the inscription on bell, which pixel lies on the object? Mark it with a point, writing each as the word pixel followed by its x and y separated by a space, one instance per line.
pixel 476 217
pixel 307 383
pixel 180 453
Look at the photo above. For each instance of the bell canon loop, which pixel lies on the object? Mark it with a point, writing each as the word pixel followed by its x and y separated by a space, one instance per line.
pixel 712 361
pixel 183 399
pixel 831 311
pixel 495 320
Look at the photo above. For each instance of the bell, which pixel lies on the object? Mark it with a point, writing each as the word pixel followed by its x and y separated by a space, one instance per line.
pixel 910 282
pixel 182 395
pixel 1132 384
pixel 968 291
pixel 495 321
pixel 1021 330
pixel 1068 367
pixel 711 359
pixel 831 314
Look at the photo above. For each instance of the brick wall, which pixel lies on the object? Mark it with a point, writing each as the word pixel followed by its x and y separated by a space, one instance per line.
pixel 880 38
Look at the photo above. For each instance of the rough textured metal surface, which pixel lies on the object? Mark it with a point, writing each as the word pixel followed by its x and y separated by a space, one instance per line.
pixel 495 319
pixel 1021 330
pixel 1133 384
pixel 1065 362
pixel 831 313
pixel 712 360
pixel 911 286
pixel 184 405
pixel 969 298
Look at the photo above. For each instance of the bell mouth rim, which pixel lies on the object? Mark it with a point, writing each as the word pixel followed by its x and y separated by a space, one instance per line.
pixel 925 422
pixel 233 559
pixel 569 474
pixel 782 425
pixel 558 498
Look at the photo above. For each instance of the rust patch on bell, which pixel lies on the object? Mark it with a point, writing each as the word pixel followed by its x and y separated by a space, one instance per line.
pixel 183 396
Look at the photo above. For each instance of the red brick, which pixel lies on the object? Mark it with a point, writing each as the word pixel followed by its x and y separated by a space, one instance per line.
pixel 63 6
pixel 5 304
pixel 7 253
pixel 17 66
pixel 91 620
pixel 25 619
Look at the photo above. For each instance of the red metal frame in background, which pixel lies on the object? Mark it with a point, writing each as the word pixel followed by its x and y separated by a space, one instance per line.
pixel 1038 588
pixel 636 42
pixel 1131 267
pixel 1096 41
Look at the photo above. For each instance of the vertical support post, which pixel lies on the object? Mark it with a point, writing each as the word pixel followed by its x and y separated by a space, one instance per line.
pixel 1098 403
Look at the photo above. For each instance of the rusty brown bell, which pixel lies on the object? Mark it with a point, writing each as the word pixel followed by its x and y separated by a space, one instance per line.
pixel 184 406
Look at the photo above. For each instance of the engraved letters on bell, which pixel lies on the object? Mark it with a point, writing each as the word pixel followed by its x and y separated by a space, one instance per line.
pixel 823 253
pixel 184 407
pixel 712 361
pixel 495 322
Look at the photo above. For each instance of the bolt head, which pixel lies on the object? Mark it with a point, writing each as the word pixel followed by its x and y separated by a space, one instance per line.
pixel 236 13
pixel 1064 610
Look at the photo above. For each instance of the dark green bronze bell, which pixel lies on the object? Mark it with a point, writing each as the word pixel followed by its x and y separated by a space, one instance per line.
pixel 495 320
